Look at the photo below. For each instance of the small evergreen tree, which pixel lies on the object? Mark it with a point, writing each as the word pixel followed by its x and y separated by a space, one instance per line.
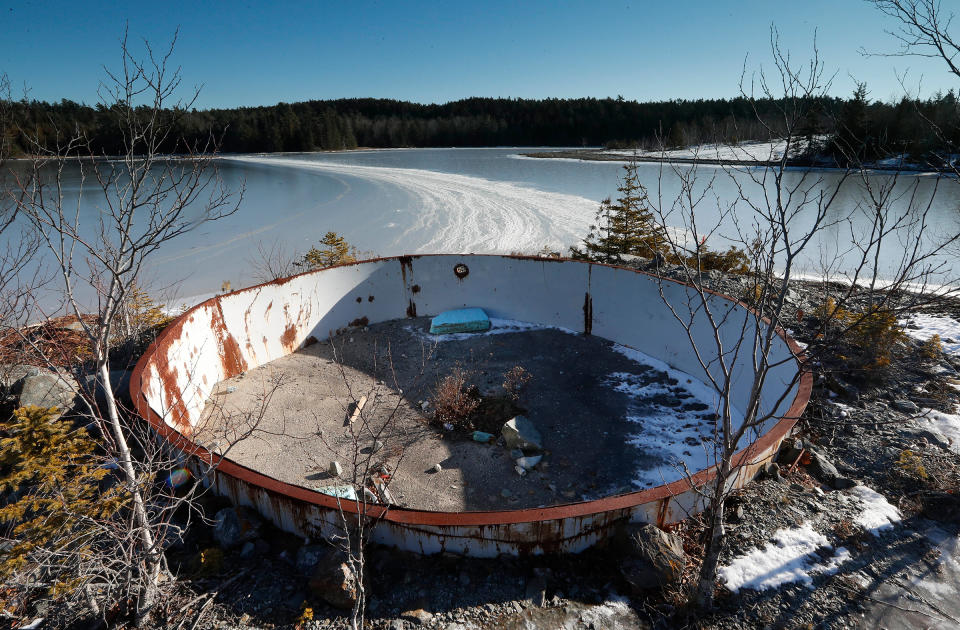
pixel 56 503
pixel 625 228
pixel 333 250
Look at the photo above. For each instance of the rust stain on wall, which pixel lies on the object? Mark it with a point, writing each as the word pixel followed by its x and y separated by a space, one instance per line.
pixel 231 358
pixel 289 337
pixel 177 410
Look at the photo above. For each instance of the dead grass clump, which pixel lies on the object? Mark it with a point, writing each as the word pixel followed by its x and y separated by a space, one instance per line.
pixel 515 381
pixel 454 400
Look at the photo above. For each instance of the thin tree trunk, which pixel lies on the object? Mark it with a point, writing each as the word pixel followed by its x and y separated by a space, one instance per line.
pixel 711 555
pixel 147 595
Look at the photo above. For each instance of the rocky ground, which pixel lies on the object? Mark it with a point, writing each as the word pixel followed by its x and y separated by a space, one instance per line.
pixel 888 558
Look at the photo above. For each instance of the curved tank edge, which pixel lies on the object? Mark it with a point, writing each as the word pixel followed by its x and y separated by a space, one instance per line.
pixel 561 528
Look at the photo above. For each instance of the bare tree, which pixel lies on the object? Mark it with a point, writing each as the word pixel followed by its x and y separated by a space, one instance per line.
pixel 373 445
pixel 924 30
pixel 159 189
pixel 782 215
pixel 272 262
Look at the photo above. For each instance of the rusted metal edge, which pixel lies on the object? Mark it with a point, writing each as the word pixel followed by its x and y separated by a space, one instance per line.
pixel 766 445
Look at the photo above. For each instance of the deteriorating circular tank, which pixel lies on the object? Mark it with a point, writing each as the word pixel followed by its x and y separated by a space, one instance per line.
pixel 230 334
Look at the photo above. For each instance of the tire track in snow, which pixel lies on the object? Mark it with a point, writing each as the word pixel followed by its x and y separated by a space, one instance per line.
pixel 461 213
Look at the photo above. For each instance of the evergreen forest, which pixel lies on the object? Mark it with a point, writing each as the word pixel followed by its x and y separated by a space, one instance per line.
pixel 865 129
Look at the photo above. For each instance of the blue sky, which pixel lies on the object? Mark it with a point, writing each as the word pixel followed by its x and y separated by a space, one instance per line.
pixel 249 53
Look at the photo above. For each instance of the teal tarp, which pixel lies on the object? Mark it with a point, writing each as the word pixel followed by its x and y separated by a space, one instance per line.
pixel 460 321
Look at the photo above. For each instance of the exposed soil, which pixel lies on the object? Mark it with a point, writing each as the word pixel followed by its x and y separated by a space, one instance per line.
pixel 586 437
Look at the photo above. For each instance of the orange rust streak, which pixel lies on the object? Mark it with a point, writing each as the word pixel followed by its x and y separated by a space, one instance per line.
pixel 231 358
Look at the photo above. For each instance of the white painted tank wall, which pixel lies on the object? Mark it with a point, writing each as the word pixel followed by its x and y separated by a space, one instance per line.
pixel 271 320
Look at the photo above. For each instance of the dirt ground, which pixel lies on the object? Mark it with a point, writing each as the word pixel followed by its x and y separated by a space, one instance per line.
pixel 307 398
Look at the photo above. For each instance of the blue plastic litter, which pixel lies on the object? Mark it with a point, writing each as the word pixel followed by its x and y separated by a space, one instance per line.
pixel 341 492
pixel 463 320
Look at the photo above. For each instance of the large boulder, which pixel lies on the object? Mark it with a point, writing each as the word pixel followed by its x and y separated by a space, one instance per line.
pixel 48 389
pixel 823 470
pixel 334 581
pixel 235 526
pixel 12 374
pixel 652 558
pixel 519 432
pixel 119 383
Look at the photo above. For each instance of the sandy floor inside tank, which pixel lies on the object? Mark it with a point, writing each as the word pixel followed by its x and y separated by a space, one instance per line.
pixel 612 420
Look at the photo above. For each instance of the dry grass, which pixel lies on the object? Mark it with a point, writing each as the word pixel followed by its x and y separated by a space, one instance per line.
pixel 515 381
pixel 452 400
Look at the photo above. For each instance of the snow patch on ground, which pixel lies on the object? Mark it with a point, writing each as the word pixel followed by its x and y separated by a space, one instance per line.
pixel 946 424
pixel 746 151
pixel 673 413
pixel 923 326
pixel 937 581
pixel 753 151
pixel 878 514
pixel 672 410
pixel 791 557
pixel 601 615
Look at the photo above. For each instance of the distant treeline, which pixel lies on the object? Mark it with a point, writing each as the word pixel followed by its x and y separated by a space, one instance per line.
pixel 855 125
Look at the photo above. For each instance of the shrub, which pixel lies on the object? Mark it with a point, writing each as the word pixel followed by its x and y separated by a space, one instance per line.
pixel 910 464
pixel 57 500
pixel 139 313
pixel 209 562
pixel 732 260
pixel 454 401
pixel 932 348
pixel 515 381
pixel 875 331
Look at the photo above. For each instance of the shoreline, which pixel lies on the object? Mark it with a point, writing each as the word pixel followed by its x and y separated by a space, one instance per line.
pixel 601 155
pixel 561 153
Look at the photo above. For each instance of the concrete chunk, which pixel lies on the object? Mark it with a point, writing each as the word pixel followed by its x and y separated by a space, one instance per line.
pixel 519 432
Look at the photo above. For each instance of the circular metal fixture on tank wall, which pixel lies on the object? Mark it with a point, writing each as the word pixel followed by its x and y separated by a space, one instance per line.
pixel 228 334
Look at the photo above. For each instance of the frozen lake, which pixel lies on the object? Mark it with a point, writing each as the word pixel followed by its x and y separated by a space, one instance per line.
pixel 389 202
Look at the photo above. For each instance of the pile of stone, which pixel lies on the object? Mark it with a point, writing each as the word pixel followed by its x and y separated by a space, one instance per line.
pixel 524 442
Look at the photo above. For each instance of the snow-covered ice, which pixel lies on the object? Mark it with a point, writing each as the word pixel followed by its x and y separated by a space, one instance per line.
pixel 464 213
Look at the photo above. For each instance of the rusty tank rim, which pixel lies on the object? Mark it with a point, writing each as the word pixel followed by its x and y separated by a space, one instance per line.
pixel 412 517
